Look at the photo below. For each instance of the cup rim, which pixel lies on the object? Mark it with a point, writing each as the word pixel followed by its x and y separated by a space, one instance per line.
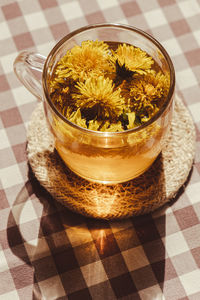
pixel 115 25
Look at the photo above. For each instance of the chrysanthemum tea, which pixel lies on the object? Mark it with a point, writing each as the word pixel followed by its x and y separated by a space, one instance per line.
pixel 108 87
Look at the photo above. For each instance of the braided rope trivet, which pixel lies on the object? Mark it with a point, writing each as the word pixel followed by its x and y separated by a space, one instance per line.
pixel 139 196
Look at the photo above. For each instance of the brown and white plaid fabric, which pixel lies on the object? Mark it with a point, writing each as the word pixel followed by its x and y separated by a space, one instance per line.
pixel 48 252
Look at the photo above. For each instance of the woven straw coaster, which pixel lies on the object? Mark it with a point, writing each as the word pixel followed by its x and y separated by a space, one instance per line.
pixel 142 195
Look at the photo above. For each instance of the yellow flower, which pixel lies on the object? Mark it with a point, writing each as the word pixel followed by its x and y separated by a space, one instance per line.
pixel 94 125
pixel 131 119
pixel 147 93
pixel 152 86
pixel 113 127
pixel 133 58
pixel 88 60
pixel 75 117
pixel 99 93
pixel 106 126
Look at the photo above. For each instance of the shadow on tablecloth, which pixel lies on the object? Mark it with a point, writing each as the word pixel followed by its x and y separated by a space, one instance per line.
pixel 74 257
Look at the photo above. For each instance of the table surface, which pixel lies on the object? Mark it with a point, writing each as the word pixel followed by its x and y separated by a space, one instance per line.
pixel 48 252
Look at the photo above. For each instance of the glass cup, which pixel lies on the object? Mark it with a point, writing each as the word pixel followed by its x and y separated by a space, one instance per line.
pixel 103 157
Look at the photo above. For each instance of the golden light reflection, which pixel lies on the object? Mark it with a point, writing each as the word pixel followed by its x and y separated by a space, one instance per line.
pixel 78 235
pixel 101 240
pixel 94 239
pixel 103 202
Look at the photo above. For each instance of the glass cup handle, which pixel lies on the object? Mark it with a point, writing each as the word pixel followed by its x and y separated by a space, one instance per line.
pixel 24 66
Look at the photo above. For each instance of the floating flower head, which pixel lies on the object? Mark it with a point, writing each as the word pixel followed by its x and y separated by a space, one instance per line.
pixel 88 60
pixel 147 92
pixel 97 99
pixel 132 59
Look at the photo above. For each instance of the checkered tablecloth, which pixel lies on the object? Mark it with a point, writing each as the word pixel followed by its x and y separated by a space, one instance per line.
pixel 48 252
